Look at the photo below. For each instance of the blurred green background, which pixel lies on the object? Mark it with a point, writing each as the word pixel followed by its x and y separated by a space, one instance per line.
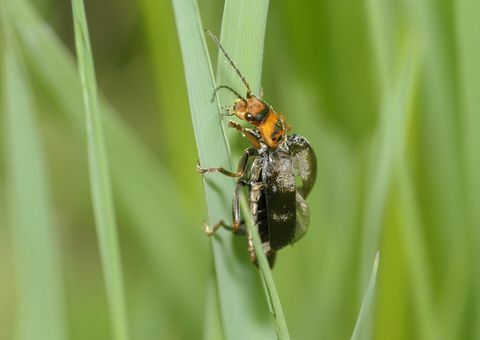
pixel 388 93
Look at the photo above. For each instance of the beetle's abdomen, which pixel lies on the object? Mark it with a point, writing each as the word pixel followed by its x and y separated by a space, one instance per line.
pixel 258 209
pixel 260 218
pixel 280 191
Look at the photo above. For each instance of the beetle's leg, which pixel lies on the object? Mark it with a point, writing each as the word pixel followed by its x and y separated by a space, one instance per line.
pixel 236 206
pixel 221 170
pixel 210 230
pixel 247 133
pixel 242 164
pixel 236 226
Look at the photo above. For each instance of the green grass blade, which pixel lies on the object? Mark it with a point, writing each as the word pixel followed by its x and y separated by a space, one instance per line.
pixel 269 283
pixel 40 305
pixel 242 36
pixel 367 300
pixel 237 281
pixel 243 31
pixel 468 47
pixel 130 158
pixel 100 178
pixel 212 329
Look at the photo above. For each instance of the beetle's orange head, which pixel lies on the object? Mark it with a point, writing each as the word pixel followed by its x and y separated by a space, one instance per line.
pixel 252 110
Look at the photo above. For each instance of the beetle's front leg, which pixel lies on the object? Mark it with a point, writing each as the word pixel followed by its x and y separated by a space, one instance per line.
pixel 249 134
pixel 224 171
pixel 240 168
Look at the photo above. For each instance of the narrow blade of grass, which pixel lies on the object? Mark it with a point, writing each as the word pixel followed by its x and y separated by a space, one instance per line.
pixel 367 301
pixel 237 280
pixel 468 47
pixel 40 310
pixel 269 283
pixel 100 178
pixel 243 35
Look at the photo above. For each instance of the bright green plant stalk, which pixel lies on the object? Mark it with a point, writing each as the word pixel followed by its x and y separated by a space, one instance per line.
pixel 100 178
pixel 40 302
pixel 213 151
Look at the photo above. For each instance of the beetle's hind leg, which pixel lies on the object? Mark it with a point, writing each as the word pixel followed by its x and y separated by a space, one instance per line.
pixel 210 230
pixel 237 227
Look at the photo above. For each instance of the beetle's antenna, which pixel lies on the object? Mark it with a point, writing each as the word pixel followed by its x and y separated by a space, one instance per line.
pixel 217 42
pixel 228 88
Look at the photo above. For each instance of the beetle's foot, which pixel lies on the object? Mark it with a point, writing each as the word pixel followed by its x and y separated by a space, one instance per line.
pixel 226 110
pixel 201 170
pixel 210 230
pixel 235 125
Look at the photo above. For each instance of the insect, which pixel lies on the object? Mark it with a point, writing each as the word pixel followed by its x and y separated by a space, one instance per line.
pixel 279 171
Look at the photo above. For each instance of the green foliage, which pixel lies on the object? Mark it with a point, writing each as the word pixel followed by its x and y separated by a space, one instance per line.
pixel 102 197
pixel 386 92
pixel 33 229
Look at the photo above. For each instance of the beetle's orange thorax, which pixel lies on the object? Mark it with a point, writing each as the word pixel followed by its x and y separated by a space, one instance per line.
pixel 258 113
pixel 272 129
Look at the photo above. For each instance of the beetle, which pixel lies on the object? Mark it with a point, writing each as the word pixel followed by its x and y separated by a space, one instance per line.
pixel 279 171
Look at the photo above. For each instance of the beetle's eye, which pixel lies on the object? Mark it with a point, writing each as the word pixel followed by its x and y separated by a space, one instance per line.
pixel 249 116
